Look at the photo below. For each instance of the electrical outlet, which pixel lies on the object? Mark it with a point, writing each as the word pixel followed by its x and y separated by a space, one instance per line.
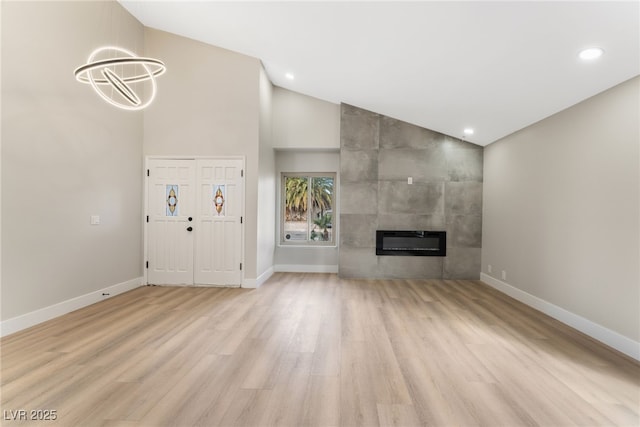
pixel 490 268
pixel 504 275
pixel 95 219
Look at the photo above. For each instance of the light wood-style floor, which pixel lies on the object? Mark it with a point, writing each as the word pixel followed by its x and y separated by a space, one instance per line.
pixel 315 350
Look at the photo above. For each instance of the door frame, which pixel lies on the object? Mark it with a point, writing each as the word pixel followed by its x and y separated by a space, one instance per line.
pixel 145 210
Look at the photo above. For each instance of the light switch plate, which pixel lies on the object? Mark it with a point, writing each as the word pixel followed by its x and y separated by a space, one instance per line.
pixel 95 219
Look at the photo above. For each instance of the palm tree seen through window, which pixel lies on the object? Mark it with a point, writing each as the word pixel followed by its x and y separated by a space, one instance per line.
pixel 308 208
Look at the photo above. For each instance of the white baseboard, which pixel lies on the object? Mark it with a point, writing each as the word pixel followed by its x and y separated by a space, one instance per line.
pixel 293 268
pixel 25 321
pixel 305 268
pixel 256 283
pixel 598 332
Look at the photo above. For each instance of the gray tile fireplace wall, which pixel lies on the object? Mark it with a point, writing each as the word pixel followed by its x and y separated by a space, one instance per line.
pixel 377 156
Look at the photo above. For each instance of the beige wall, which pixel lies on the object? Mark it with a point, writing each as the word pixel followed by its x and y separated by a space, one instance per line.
pixel 561 209
pixel 309 258
pixel 306 135
pixel 266 181
pixel 208 104
pixel 303 122
pixel 66 155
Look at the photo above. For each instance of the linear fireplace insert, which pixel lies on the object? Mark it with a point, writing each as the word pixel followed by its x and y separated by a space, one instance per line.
pixel 411 243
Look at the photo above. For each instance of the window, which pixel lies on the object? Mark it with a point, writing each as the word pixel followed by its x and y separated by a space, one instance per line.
pixel 307 208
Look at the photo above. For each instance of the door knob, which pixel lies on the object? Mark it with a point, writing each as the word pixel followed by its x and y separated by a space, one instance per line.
pixel 189 219
pixel 189 228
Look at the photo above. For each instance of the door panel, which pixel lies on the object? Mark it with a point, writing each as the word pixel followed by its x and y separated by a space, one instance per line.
pixel 219 232
pixel 171 203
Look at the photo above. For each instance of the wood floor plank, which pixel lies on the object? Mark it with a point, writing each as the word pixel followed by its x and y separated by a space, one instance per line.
pixel 287 399
pixel 357 395
pixel 397 415
pixel 322 402
pixel 316 350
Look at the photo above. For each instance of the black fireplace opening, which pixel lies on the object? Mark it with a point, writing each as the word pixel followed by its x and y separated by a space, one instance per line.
pixel 411 243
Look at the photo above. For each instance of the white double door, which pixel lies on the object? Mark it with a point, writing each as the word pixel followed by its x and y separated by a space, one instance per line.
pixel 194 222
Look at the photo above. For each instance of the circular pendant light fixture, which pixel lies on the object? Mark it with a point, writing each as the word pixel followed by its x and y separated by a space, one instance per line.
pixel 120 77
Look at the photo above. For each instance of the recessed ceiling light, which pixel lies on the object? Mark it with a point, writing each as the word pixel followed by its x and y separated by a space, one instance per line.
pixel 290 76
pixel 468 131
pixel 591 53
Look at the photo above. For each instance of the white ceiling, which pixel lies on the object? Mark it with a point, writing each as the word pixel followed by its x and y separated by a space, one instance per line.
pixel 494 66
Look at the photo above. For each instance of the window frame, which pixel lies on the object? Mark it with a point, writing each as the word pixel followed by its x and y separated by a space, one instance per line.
pixel 307 242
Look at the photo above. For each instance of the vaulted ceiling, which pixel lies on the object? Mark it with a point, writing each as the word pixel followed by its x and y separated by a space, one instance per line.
pixel 495 67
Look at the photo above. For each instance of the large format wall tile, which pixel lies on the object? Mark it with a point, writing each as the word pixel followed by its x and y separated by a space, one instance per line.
pixel 398 134
pixel 358 263
pixel 462 263
pixel 465 164
pixel 463 198
pixel 400 197
pixel 359 129
pixel 378 154
pixel 464 231
pixel 359 198
pixel 359 165
pixel 358 230
pixel 410 267
pixel 423 165
pixel 397 221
